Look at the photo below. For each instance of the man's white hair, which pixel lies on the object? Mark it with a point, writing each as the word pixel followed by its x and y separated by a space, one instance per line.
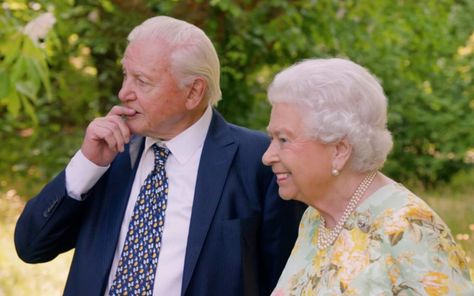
pixel 193 54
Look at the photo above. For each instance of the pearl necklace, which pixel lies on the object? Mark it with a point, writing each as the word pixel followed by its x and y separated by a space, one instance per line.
pixel 327 237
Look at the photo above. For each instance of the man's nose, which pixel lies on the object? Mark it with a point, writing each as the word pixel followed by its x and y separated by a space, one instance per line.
pixel 126 92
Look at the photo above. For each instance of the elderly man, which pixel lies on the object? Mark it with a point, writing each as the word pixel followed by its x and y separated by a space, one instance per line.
pixel 164 197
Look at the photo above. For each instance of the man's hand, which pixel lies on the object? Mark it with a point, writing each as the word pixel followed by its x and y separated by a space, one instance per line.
pixel 107 136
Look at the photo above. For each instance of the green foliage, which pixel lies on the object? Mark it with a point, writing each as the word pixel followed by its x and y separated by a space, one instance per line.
pixel 422 52
pixel 31 157
pixel 23 72
pixel 412 47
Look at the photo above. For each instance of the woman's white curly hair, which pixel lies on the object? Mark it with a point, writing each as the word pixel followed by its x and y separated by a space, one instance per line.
pixel 338 99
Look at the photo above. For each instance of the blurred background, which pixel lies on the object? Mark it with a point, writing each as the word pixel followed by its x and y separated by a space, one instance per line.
pixel 60 68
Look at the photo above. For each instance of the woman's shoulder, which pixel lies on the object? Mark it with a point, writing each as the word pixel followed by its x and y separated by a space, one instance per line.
pixel 392 198
pixel 394 212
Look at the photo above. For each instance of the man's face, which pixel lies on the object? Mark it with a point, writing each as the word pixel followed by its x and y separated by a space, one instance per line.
pixel 150 89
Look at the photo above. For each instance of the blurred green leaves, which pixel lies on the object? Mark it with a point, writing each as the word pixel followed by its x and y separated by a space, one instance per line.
pixel 23 72
pixel 422 52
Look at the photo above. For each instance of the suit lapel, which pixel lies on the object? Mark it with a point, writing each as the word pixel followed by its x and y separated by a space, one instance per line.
pixel 217 155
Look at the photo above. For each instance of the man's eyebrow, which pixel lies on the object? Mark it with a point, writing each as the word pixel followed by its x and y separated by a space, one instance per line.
pixel 271 131
pixel 136 73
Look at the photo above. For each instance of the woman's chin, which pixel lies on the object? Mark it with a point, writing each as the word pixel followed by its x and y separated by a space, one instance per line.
pixel 285 196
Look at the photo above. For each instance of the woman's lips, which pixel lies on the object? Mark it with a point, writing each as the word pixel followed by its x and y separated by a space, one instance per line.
pixel 281 176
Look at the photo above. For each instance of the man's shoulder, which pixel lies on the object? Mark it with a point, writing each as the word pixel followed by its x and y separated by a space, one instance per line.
pixel 248 140
pixel 249 134
pixel 238 131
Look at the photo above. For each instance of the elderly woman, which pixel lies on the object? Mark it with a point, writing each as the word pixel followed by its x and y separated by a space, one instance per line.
pixel 363 233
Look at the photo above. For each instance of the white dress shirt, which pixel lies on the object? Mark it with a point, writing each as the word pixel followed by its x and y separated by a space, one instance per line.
pixel 181 169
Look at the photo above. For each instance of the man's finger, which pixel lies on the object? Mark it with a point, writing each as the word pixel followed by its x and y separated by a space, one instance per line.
pixel 121 111
pixel 125 131
pixel 110 131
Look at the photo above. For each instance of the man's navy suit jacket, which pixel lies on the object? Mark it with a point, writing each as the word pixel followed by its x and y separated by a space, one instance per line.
pixel 241 233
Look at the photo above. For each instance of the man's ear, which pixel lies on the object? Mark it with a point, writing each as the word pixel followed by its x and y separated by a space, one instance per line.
pixel 342 153
pixel 196 93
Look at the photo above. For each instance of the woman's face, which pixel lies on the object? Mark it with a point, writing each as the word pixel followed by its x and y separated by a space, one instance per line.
pixel 302 165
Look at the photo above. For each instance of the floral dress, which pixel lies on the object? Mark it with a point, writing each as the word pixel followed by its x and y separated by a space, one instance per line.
pixel 393 244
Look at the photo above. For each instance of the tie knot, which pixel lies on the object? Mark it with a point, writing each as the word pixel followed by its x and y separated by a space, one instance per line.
pixel 161 154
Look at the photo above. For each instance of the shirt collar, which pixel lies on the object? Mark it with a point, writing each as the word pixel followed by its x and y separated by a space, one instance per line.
pixel 185 144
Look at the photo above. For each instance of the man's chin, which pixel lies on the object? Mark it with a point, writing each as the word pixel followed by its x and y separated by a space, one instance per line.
pixel 135 127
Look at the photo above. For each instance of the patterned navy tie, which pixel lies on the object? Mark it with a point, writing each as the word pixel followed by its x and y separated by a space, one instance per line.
pixel 136 269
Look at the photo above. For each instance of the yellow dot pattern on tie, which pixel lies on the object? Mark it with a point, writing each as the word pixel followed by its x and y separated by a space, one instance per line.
pixel 136 270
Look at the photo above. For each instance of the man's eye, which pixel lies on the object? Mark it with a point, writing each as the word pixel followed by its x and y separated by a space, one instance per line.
pixel 282 140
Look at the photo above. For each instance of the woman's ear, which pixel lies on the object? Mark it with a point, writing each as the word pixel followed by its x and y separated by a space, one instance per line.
pixel 342 153
pixel 196 93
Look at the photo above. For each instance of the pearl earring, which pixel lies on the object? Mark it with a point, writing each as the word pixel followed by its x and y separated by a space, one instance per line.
pixel 335 172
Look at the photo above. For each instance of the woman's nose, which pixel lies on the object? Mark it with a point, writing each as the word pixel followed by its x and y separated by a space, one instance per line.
pixel 269 157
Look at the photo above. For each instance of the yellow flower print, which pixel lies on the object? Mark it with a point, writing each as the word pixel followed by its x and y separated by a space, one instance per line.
pixel 418 212
pixel 395 225
pixel 359 239
pixel 363 221
pixel 350 255
pixel 298 281
pixel 456 257
pixel 406 257
pixel 397 245
pixel 351 292
pixel 312 215
pixel 445 241
pixel 435 283
pixel 318 262
pixel 309 216
pixel 393 269
pixel 307 291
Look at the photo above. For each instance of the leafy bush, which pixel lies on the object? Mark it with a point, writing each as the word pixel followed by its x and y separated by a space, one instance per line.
pixel 422 52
